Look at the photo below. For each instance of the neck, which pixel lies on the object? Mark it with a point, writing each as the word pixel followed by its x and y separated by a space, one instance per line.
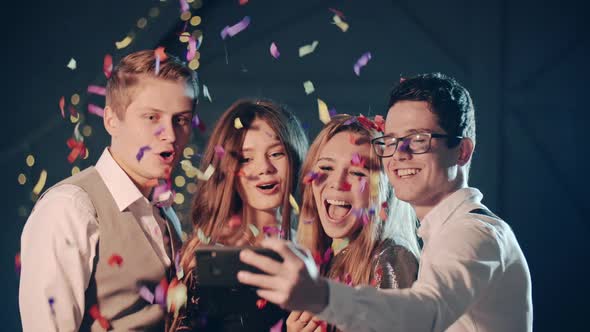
pixel 261 218
pixel 422 208
pixel 339 244
pixel 144 185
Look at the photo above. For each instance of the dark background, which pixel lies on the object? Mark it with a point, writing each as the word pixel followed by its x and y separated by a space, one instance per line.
pixel 525 63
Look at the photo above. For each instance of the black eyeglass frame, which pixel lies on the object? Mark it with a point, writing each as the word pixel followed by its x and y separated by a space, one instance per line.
pixel 401 139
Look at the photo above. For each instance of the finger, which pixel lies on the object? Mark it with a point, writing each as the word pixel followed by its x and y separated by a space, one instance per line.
pixel 262 281
pixel 318 329
pixel 263 263
pixel 273 296
pixel 294 315
pixel 310 327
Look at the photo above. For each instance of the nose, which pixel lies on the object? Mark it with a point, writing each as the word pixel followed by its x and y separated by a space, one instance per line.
pixel 167 133
pixel 337 178
pixel 402 152
pixel 265 166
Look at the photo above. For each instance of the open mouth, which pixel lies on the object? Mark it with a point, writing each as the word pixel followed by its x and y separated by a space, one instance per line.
pixel 167 156
pixel 268 188
pixel 405 173
pixel 337 209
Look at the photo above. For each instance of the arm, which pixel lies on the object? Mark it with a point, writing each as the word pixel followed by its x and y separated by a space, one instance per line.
pixel 58 246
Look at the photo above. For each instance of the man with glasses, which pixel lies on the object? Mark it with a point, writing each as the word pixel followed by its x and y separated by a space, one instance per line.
pixel 473 275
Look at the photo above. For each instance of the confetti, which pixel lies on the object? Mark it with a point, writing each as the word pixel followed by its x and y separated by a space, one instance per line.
pixel 197 123
pixel 219 151
pixel 17 264
pixel 160 52
pixel 40 183
pixel 161 292
pixel 294 204
pixel 235 221
pixel 274 51
pixel 72 64
pixel 254 230
pixel 243 2
pixel 357 160
pixel 77 148
pixel 308 86
pixel 271 230
pixel 323 110
pixel 201 236
pixel 141 151
pixel 308 49
pixel 363 184
pixel 124 43
pixel 236 28
pixel 379 123
pixel 345 186
pixel 159 130
pixel 307 222
pixel 62 103
pixel 115 259
pixel 96 110
pixel 184 6
pixel 107 65
pixel 207 174
pixel 261 303
pixel 340 23
pixel 337 12
pixel 97 90
pixel 176 297
pixel 146 294
pixel 163 195
pixel 383 212
pixel 278 327
pixel 361 62
pixel 238 123
pixel 206 93
pixel 96 315
pixel 192 49
pixel 310 177
pixel 366 122
pixel 339 245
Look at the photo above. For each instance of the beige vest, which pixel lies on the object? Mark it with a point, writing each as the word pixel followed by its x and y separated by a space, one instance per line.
pixel 116 288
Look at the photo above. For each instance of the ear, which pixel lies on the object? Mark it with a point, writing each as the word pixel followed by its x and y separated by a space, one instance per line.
pixel 465 151
pixel 111 121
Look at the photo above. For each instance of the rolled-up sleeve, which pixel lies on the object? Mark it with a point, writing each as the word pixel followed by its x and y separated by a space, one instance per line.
pixel 58 246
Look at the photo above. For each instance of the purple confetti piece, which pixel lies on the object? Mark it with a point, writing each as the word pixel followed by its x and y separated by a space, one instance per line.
pixel 146 294
pixel 278 327
pixel 361 62
pixel 159 296
pixel 372 211
pixel 141 151
pixel 363 184
pixel 270 230
pixel 157 64
pixel 96 110
pixel 405 146
pixel 356 159
pixel 332 112
pixel 219 151
pixel 365 219
pixel 97 90
pixel 274 51
pixel 236 28
pixel 159 131
pixel 192 49
pixel 350 121
pixel 327 255
pixel 195 122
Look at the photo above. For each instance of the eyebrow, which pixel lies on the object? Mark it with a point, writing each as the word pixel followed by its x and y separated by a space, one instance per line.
pixel 278 143
pixel 412 131
pixel 161 111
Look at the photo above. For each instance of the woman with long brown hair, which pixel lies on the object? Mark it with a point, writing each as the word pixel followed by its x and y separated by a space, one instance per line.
pixel 357 230
pixel 256 148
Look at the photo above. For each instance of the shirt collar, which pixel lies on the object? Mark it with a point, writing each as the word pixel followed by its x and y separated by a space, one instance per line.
pixel 430 224
pixel 123 190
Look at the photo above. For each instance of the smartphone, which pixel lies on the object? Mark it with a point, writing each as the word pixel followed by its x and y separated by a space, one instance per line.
pixel 218 266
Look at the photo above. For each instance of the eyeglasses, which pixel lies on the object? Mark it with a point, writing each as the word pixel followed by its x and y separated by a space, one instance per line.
pixel 418 143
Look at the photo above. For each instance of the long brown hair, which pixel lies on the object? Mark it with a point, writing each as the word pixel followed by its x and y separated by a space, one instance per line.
pixel 217 200
pixel 356 260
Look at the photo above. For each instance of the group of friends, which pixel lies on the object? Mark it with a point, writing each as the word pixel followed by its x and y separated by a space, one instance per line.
pixel 388 236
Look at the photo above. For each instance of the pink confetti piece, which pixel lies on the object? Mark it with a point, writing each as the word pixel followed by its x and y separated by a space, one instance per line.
pixel 327 255
pixel 274 51
pixel 363 184
pixel 236 28
pixel 357 160
pixel 337 12
pixel 235 221
pixel 62 103
pixel 97 90
pixel 17 264
pixel 115 259
pixel 107 65
pixel 278 327
pixel 361 62
pixel 196 123
pixel 146 294
pixel 159 131
pixel 345 186
pixel 271 230
pixel 157 65
pixel 380 123
pixel 184 5
pixel 96 110
pixel 141 151
pixel 192 48
pixel 310 177
pixel 243 2
pixel 219 151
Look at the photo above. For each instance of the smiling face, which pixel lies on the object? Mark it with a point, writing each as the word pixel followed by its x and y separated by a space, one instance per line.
pixel 338 190
pixel 264 166
pixel 157 122
pixel 422 180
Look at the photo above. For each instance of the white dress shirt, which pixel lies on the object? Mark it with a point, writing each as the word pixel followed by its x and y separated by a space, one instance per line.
pixel 472 277
pixel 58 246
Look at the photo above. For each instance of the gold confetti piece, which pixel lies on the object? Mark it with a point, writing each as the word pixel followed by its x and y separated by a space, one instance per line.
pixel 75 99
pixel 185 16
pixel 340 23
pixel 141 23
pixel 41 183
pixel 75 170
pixel 194 64
pixel 308 86
pixel 205 176
pixel 294 204
pixel 30 160
pixel 201 236
pixel 178 198
pixel 196 20
pixel 123 43
pixel 22 179
pixel 307 49
pixel 323 110
pixel 238 123
pixel 75 119
pixel 188 152
pixel 254 230
pixel 72 64
pixel 179 181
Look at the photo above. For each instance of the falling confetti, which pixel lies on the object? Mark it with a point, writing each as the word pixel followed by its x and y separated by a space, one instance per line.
pixel 17 264
pixel 141 151
pixel 261 303
pixel 146 294
pixel 274 51
pixel 62 103
pixel 294 204
pixel 124 43
pixel 201 236
pixel 271 230
pixel 236 28
pixel 243 2
pixel 361 62
pixel 115 259
pixel 97 90
pixel 77 149
pixel 345 186
pixel 310 177
pixel 206 93
pixel 96 110
pixel 159 130
pixel 308 49
pixel 96 315
pixel 176 296
pixel 207 174
pixel 72 64
pixel 363 184
pixel 379 123
pixel 107 65
pixel 278 327
pixel 254 230
pixel 238 123
pixel 308 86
pixel 337 12
pixel 323 110
pixel 383 211
pixel 219 151
pixel 357 160
pixel 340 23
pixel 197 123
pixel 235 221
pixel 184 5
pixel 40 183
pixel 192 49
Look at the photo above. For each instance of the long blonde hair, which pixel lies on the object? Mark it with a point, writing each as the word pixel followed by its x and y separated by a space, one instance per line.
pixel 400 225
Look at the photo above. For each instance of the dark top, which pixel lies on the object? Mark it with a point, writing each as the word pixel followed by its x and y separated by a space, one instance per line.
pixel 227 309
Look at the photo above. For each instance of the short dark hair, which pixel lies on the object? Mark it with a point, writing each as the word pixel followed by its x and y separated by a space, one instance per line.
pixel 447 99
